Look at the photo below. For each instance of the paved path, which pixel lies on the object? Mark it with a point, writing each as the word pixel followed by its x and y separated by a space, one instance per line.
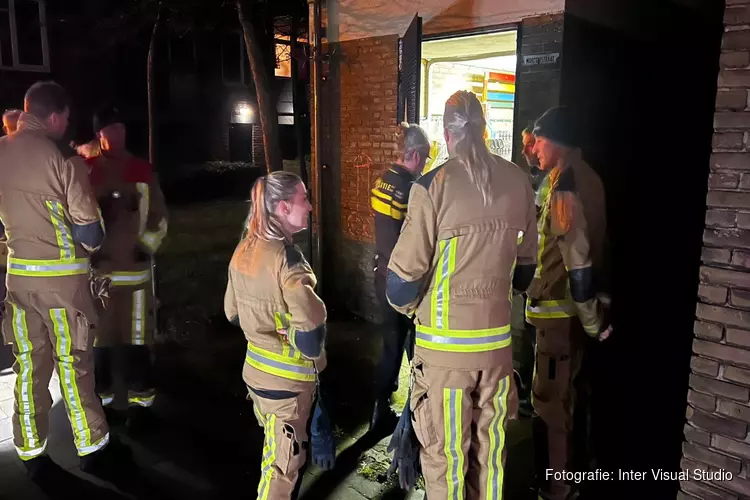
pixel 208 444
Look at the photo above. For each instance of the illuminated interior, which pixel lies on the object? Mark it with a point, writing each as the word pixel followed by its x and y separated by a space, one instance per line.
pixel 483 64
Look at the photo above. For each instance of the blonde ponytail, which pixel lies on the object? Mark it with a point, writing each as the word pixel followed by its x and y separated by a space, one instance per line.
pixel 265 195
pixel 464 119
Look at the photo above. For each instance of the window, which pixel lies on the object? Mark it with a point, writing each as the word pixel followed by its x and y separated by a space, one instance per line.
pixel 182 52
pixel 235 66
pixel 23 36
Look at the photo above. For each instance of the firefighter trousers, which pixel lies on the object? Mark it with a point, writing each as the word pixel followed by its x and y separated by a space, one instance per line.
pixel 396 331
pixel 284 416
pixel 559 344
pixel 126 327
pixel 53 329
pixel 460 421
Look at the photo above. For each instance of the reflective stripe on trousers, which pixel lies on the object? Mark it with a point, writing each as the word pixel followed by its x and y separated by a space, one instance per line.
pixel 269 457
pixel 32 446
pixel 550 309
pixel 69 386
pixel 138 317
pixel 291 366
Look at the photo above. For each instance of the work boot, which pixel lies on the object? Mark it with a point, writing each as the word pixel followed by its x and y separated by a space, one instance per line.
pixel 114 463
pixel 58 483
pixel 383 416
pixel 141 420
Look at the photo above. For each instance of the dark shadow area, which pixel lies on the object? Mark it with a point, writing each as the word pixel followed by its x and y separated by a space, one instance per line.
pixel 210 184
pixel 6 357
pixel 643 79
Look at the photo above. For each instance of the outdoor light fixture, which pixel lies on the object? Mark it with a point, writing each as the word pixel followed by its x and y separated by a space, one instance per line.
pixel 243 113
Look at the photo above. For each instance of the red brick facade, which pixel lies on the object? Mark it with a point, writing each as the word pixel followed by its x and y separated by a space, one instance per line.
pixel 369 81
pixel 718 411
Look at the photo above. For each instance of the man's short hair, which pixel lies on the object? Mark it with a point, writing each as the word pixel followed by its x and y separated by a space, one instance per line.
pixel 412 138
pixel 44 98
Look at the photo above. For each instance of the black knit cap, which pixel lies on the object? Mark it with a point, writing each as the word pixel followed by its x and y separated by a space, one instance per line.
pixel 557 125
pixel 107 116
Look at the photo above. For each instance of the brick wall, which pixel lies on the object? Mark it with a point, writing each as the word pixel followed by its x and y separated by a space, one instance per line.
pixel 538 85
pixel 367 88
pixel 718 411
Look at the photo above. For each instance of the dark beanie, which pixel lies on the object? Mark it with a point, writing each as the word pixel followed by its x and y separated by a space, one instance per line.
pixel 557 125
pixel 107 116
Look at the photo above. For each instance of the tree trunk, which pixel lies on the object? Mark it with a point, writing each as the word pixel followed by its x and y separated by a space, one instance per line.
pixel 269 121
pixel 298 101
pixel 151 89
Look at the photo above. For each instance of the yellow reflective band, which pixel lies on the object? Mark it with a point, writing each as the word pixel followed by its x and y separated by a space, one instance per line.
pixel 138 318
pixel 453 449
pixel 153 239
pixel 27 454
pixel 129 278
pixel 47 268
pixel 269 457
pixel 441 290
pixel 62 232
pixel 380 194
pixel 139 399
pixel 293 368
pixel 107 398
pixel 282 320
pixel 32 446
pixel 495 475
pixel 69 381
pixel 550 309
pixel 488 339
pixel 143 205
pixel 386 209
pixel 400 206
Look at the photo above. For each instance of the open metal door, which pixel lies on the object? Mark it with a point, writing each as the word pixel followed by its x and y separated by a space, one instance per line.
pixel 409 69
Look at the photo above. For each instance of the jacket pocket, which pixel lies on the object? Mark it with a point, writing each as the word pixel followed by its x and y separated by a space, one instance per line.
pixel 421 408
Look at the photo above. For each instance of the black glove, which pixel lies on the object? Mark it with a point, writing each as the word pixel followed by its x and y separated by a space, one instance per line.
pixel 321 438
pixel 405 446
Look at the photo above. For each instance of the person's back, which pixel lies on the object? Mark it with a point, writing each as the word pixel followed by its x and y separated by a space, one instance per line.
pixel 52 221
pixel 473 262
pixel 591 192
pixel 42 199
pixel 469 239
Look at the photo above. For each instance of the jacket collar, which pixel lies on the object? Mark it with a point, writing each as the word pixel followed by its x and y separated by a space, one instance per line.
pixel 30 122
pixel 402 171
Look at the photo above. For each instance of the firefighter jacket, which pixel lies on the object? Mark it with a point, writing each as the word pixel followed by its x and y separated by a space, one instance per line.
pixel 51 217
pixel 271 288
pixel 135 217
pixel 457 260
pixel 389 200
pixel 572 234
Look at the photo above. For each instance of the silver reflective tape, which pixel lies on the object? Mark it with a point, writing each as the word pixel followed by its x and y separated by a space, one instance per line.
pixel 279 365
pixel 440 339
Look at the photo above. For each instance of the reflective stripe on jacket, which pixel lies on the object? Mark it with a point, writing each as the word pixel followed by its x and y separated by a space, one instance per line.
pixel 50 214
pixel 270 295
pixel 456 261
pixel 572 232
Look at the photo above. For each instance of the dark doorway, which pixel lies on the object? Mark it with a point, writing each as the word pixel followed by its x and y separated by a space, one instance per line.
pixel 240 142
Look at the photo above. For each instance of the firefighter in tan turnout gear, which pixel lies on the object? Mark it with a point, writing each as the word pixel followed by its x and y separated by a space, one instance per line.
pixel 270 295
pixel 469 239
pixel 52 223
pixel 562 299
pixel 135 216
